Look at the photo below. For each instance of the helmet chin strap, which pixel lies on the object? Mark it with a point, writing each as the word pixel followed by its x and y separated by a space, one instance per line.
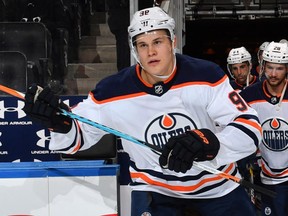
pixel 248 80
pixel 166 76
pixel 163 77
pixel 282 94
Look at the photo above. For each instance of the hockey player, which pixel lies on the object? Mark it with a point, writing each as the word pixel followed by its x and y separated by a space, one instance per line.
pixel 259 57
pixel 172 101
pixel 239 65
pixel 270 99
pixel 260 51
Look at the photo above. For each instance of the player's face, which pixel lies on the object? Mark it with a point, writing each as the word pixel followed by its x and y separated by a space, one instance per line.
pixel 275 73
pixel 155 52
pixel 240 72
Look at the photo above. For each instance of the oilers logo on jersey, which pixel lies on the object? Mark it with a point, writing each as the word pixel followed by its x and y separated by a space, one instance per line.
pixel 165 126
pixel 275 134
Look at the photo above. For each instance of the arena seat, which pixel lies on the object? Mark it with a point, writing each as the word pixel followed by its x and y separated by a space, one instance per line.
pixel 33 40
pixel 13 70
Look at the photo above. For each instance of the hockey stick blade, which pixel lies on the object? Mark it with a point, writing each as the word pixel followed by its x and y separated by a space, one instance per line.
pixel 154 148
pixel 12 92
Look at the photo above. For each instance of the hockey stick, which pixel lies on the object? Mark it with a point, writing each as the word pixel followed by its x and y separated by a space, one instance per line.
pixel 145 144
pixel 240 181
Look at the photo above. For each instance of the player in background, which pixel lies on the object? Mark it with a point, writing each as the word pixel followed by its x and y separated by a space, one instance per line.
pixel 259 57
pixel 172 101
pixel 270 99
pixel 239 65
pixel 283 41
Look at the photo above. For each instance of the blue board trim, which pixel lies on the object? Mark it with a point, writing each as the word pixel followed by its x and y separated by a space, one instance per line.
pixel 57 169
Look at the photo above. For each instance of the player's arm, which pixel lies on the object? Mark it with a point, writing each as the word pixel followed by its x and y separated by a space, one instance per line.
pixel 241 130
pixel 43 107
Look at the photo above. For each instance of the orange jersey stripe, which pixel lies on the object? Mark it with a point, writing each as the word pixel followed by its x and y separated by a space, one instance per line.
pixel 201 83
pixel 251 123
pixel 267 172
pixel 143 93
pixel 145 178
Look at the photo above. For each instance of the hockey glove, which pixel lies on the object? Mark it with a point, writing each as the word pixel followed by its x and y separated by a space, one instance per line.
pixel 180 151
pixel 42 106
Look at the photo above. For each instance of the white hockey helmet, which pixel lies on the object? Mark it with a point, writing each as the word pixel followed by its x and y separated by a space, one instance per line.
pixel 238 55
pixel 260 50
pixel 276 52
pixel 146 20
pixel 283 41
pixel 263 46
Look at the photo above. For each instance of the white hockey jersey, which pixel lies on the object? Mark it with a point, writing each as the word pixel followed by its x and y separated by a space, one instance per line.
pixel 274 120
pixel 197 95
